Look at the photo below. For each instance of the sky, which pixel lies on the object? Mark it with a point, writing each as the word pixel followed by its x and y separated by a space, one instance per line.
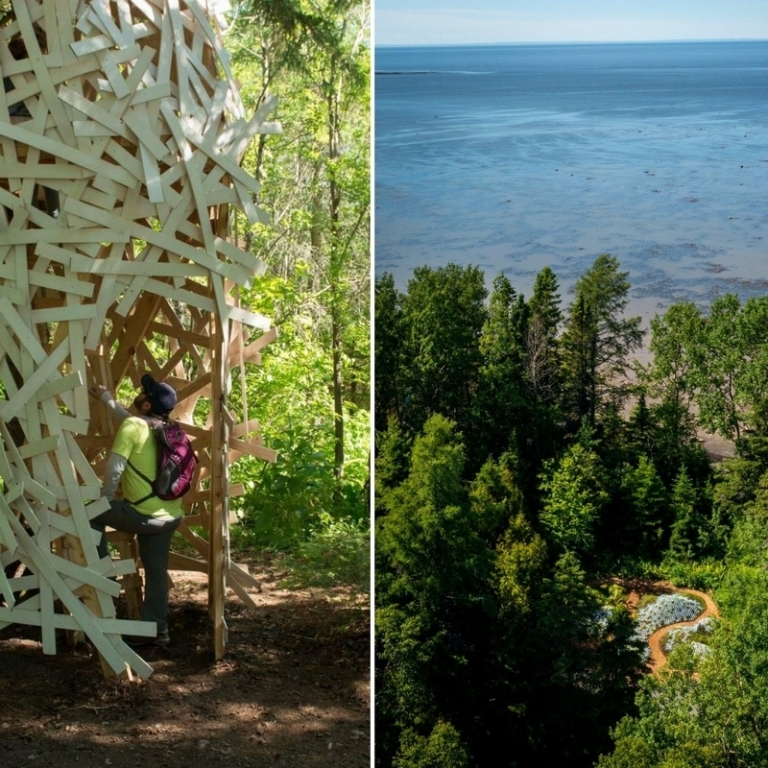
pixel 445 22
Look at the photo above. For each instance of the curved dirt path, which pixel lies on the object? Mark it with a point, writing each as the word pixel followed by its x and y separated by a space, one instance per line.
pixel 639 587
pixel 658 657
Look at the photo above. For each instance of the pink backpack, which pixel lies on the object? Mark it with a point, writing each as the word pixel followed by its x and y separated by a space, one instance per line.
pixel 176 462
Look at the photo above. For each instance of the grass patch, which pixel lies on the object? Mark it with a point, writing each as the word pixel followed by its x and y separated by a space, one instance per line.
pixel 336 553
pixel 645 600
pixel 699 600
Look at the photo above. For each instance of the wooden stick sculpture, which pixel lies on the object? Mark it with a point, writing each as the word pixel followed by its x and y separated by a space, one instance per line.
pixel 121 133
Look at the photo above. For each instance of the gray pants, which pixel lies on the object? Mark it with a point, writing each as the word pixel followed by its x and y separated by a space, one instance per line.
pixel 154 538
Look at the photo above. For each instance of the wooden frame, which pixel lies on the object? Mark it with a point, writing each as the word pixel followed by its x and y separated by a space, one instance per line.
pixel 121 133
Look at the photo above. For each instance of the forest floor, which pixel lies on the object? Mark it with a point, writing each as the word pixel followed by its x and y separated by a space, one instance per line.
pixel 293 688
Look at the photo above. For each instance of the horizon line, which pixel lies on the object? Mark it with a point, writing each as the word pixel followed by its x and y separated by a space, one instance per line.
pixel 578 42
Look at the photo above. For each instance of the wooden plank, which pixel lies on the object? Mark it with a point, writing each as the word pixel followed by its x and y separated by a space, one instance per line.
pixel 137 121
pixel 43 541
pixel 47 368
pixel 193 177
pixel 124 12
pixel 64 284
pixel 6 534
pixel 240 448
pixel 248 260
pixel 141 267
pixel 216 542
pixel 52 235
pixel 64 621
pixel 135 328
pixel 41 446
pixel 94 111
pixel 151 170
pixel 38 492
pixel 84 575
pixel 199 544
pixel 61 385
pixel 69 424
pixel 180 50
pixel 266 338
pixel 128 161
pixel 107 295
pixel 9 348
pixel 248 318
pixel 6 591
pixel 159 239
pixel 177 331
pixel 238 175
pixel 109 26
pixel 44 83
pixel 79 405
pixel 240 573
pixel 44 171
pixel 177 562
pixel 240 133
pixel 242 593
pixel 84 619
pixel 81 464
pixel 22 331
pixel 69 153
pixel 64 314
pixel 111 69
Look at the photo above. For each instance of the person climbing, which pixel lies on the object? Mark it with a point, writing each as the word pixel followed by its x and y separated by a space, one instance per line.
pixel 140 511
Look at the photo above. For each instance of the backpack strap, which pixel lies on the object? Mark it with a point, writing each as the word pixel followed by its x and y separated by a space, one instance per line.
pixel 153 422
pixel 147 481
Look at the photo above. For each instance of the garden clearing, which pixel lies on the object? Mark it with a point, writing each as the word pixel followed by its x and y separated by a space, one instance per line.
pixel 293 688
pixel 639 587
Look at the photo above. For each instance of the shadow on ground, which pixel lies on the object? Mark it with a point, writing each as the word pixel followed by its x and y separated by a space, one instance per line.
pixel 293 689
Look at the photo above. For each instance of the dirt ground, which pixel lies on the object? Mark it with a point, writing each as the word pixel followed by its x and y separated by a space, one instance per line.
pixel 293 689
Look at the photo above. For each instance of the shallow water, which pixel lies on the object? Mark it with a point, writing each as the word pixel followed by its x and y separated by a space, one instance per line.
pixel 518 157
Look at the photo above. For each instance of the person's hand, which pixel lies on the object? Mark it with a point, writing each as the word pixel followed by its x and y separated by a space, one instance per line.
pixel 97 391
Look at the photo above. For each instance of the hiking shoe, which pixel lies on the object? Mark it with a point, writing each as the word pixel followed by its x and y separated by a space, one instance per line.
pixel 163 640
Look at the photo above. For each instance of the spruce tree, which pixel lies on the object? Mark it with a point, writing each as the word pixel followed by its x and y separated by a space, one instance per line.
pixel 598 340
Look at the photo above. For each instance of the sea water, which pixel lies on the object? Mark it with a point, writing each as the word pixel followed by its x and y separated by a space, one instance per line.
pixel 515 157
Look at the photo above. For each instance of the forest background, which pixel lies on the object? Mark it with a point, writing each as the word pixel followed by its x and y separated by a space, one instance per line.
pixel 523 458
pixel 311 395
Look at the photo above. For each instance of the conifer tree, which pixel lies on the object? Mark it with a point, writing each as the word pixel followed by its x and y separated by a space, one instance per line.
pixel 574 497
pixel 598 340
pixel 433 569
pixel 647 525
pixel 689 523
pixel 390 330
pixel 501 406
pixel 543 375
pixel 443 312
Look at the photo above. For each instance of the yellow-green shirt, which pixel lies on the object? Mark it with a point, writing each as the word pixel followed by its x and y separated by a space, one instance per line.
pixel 134 441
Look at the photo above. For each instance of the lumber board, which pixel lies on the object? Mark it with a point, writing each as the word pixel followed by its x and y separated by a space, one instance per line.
pixel 47 368
pixel 240 573
pixel 178 562
pixel 242 593
pixel 74 606
pixel 65 621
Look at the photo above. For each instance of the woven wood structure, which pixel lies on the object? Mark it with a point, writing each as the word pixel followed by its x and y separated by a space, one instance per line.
pixel 121 133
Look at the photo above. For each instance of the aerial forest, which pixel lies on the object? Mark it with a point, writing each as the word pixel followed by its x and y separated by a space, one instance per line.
pixel 535 459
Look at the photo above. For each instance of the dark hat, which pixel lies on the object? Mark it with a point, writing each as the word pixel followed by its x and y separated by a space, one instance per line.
pixel 161 395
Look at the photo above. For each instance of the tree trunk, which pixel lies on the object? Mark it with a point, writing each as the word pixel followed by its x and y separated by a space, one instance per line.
pixel 337 262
